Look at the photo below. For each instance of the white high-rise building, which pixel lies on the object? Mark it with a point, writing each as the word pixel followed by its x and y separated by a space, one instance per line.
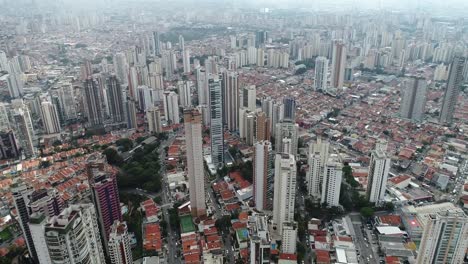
pixel 216 123
pixel 286 129
pixel 230 86
pixel 444 239
pixel 195 167
pixel 67 101
pixel 121 68
pixel 289 238
pixel 186 60
pixel 338 65
pixel 413 99
pixel 4 62
pixel 73 236
pixel 321 71
pixel 249 97
pixel 24 129
pixel 185 93
pixel 50 118
pixel 171 107
pixel 252 55
pixel 15 84
pixel 331 185
pixel 285 190
pixel 263 175
pixel 318 156
pixel 4 120
pixel 455 79
pixel 379 168
pixel 120 251
pixel 154 120
pixel 37 222
pixel 260 57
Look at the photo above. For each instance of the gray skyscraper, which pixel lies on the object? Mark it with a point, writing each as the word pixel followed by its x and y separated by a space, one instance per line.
pixel 216 128
pixel 455 79
pixel 92 102
pixel 115 100
pixel 230 86
pixel 156 44
pixel 289 108
pixel 413 99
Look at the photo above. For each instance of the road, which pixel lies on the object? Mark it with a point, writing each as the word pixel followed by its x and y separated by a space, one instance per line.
pixel 362 243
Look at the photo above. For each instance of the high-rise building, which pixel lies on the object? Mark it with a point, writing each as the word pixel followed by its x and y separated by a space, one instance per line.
pixel 260 241
pixel 249 128
pixel 115 100
pixel 444 238
pixel 50 118
pixel 24 130
pixel 21 194
pixel 86 70
pixel 121 68
pixel 455 80
pixel 413 99
pixel 37 222
pixel 195 169
pixel 216 123
pixel 289 108
pixel 338 65
pixel 379 168
pixel 92 103
pixel 186 61
pixel 171 107
pixel 156 44
pixel 202 86
pixel 286 129
pixel 73 236
pixel 284 190
pixel 120 251
pixel 185 94
pixel 8 147
pixel 263 175
pixel 154 120
pixel 4 62
pixel 318 156
pixel 45 201
pixel 230 86
pixel 104 194
pixel 289 238
pixel 4 119
pixel 249 97
pixel 262 127
pixel 321 71
pixel 277 116
pixel 15 85
pixel 331 183
pixel 131 114
pixel 67 101
pixel 181 43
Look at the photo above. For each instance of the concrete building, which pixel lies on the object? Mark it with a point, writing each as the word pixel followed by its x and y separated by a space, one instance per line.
pixel 331 184
pixel 260 240
pixel 92 103
pixel 455 80
pixel 289 108
pixel 413 99
pixel 321 71
pixel 263 176
pixel 338 65
pixel 284 190
pixel 286 129
pixel 318 156
pixel 185 93
pixel 230 88
pixel 379 168
pixel 249 97
pixel 153 116
pixel 195 169
pixel 186 61
pixel 216 123
pixel 115 100
pixel 171 107
pixel 289 238
pixel 262 127
pixel 444 238
pixel 50 118
pixel 23 128
pixel 120 251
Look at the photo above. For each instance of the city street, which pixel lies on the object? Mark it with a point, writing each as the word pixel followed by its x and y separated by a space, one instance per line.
pixel 361 240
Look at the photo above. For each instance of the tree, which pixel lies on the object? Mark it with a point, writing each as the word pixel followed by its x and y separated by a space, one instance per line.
pixel 367 212
pixel 57 143
pixel 125 144
pixel 223 223
pixel 44 164
pixel 113 157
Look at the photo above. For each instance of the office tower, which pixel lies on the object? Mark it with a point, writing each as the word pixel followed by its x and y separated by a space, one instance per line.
pixel 318 156
pixel 92 103
pixel 24 130
pixel 263 175
pixel 154 120
pixel 36 225
pixel 67 101
pixel 171 107
pixel 115 100
pixel 321 71
pixel 186 61
pixel 195 169
pixel 338 65
pixel 230 86
pixel 50 118
pixel 104 193
pixel 216 123
pixel 15 85
pixel 156 44
pixel 379 168
pixel 4 119
pixel 20 194
pixel 8 147
pixel 73 236
pixel 289 238
pixel 455 80
pixel 289 108
pixel 444 238
pixel 331 183
pixel 262 127
pixel 202 86
pixel 249 97
pixel 285 190
pixel 120 251
pixel 413 99
pixel 286 129
pixel 185 94
pixel 121 68
pixel 132 121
